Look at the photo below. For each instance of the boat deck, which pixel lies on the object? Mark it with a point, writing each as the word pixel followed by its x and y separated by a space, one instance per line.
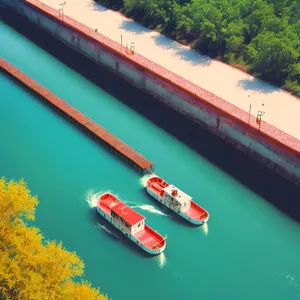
pixel 149 238
pixel 196 212
pixel 157 185
pixel 107 204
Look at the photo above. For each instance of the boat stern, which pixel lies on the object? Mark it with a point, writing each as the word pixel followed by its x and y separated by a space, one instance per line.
pixel 151 241
pixel 200 221
pixel 159 249
pixel 196 214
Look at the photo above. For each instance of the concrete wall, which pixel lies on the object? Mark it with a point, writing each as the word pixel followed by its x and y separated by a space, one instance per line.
pixel 282 160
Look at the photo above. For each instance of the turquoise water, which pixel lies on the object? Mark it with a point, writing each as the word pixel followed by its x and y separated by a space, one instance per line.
pixel 249 249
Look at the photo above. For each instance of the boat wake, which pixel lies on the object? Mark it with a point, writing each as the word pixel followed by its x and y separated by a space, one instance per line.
pixel 292 282
pixel 162 260
pixel 204 228
pixel 150 209
pixel 143 180
pixel 102 227
pixel 92 198
pixel 130 202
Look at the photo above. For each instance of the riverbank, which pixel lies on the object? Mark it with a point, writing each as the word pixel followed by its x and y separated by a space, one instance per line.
pixel 226 32
pixel 272 147
pixel 240 89
pixel 65 167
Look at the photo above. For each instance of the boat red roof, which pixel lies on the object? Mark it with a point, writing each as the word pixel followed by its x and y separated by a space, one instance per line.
pixel 127 213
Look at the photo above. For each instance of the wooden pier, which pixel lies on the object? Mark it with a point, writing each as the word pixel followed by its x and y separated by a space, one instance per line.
pixel 114 144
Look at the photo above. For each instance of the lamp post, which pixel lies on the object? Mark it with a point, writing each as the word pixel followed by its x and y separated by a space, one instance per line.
pixel 249 110
pixel 61 8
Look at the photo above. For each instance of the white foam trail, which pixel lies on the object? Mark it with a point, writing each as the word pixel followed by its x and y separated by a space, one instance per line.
pixel 205 228
pixel 107 230
pixel 149 208
pixel 291 281
pixel 162 260
pixel 92 198
pixel 130 202
pixel 143 180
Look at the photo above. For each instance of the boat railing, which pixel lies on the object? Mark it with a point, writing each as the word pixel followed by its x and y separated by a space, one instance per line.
pixel 158 244
pixel 203 215
pixel 155 246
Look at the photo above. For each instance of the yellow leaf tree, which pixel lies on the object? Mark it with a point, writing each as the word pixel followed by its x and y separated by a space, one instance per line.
pixel 31 268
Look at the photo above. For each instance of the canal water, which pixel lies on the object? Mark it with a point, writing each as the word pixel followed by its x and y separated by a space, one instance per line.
pixel 248 250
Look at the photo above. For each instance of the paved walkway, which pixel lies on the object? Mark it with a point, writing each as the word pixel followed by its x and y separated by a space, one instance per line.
pixel 281 109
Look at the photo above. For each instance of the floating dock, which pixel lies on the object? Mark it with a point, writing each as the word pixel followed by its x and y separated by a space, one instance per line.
pixel 114 144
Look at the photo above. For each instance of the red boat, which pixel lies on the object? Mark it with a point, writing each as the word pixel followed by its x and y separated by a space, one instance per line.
pixel 130 223
pixel 176 200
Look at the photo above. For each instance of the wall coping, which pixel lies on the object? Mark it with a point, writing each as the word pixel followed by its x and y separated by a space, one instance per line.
pixel 264 129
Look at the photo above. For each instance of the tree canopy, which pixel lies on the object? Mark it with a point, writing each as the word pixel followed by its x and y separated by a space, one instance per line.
pixel 261 36
pixel 30 267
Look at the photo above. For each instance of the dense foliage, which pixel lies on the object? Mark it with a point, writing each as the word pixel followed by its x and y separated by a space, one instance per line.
pixel 261 36
pixel 30 268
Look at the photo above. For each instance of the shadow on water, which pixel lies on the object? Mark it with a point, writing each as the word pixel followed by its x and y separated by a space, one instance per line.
pixel 113 233
pixel 280 192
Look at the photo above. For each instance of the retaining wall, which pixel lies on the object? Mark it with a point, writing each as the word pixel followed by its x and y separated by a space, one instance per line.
pixel 265 143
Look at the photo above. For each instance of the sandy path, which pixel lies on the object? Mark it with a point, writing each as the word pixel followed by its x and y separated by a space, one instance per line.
pixel 282 110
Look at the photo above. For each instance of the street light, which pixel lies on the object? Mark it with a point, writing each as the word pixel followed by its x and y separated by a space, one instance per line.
pixel 249 110
pixel 61 8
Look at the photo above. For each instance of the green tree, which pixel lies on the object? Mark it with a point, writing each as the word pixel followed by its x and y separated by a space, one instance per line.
pixel 272 55
pixel 234 36
pixel 241 31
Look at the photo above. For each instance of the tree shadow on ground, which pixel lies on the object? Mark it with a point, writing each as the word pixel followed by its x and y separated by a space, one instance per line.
pixel 96 6
pixel 258 85
pixel 278 191
pixel 185 53
pixel 133 27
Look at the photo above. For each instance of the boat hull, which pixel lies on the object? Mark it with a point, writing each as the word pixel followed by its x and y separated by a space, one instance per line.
pixel 128 235
pixel 179 212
